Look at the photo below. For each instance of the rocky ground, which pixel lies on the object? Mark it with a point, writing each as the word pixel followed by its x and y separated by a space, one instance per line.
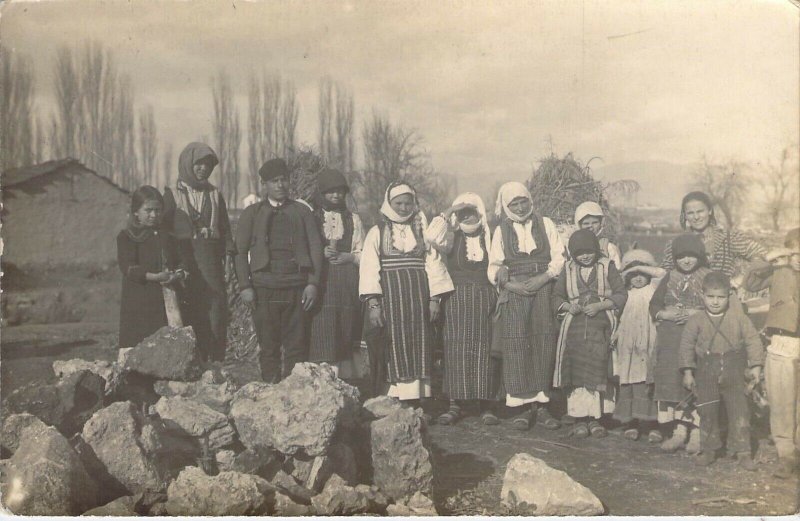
pixel 469 460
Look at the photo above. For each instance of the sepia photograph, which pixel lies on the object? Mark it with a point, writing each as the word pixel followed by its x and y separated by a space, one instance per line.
pixel 399 258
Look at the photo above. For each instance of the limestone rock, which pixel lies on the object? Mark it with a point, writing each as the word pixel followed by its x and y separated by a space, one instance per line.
pixel 287 484
pixel 377 499
pixel 285 506
pixel 168 354
pixel 339 499
pixel 45 477
pixel 209 390
pixel 313 473
pixel 302 412
pixel 401 457
pixel 262 463
pixel 113 434
pixel 226 494
pixel 101 368
pixel 124 506
pixel 416 505
pixel 380 407
pixel 529 483
pixel 196 420
pixel 11 430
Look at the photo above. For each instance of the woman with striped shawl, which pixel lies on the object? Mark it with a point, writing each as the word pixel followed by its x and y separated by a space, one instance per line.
pixel 589 293
pixel 402 279
pixel 462 235
pixel 336 321
pixel 526 256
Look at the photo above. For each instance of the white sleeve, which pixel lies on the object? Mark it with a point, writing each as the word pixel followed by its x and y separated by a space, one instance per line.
pixel 439 281
pixel 556 248
pixel 614 255
pixel 358 238
pixel 369 272
pixel 439 235
pixel 496 255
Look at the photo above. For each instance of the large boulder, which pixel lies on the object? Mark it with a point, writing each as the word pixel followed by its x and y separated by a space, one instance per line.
pixel 380 407
pixel 417 505
pixel 301 413
pixel 263 463
pixel 212 390
pixel 314 472
pixel 227 494
pixel 531 486
pixel 65 405
pixel 168 354
pixel 401 455
pixel 45 477
pixel 113 434
pixel 124 506
pixel 339 499
pixel 12 428
pixel 286 507
pixel 101 368
pixel 197 420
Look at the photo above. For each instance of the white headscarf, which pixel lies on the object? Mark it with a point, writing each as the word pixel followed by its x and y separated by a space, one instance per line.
pixel 585 209
pixel 508 192
pixel 474 251
pixel 392 191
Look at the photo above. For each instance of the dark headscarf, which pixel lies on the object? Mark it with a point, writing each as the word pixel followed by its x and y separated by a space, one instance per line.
pixel 328 180
pixel 583 241
pixel 689 244
pixel 703 198
pixel 193 153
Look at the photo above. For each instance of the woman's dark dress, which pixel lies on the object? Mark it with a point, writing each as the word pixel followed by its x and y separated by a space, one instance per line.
pixel 142 310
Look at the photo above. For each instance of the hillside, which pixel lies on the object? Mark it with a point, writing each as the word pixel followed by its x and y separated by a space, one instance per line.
pixel 663 184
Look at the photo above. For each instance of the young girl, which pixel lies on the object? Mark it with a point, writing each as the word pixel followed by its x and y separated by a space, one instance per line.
pixel 462 234
pixel 589 216
pixel 526 255
pixel 148 259
pixel 636 341
pixel 402 280
pixel 196 214
pixel 589 292
pixel 336 323
pixel 678 296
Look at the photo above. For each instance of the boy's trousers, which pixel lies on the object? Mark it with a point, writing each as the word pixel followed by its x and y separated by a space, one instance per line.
pixel 783 391
pixel 720 380
pixel 279 320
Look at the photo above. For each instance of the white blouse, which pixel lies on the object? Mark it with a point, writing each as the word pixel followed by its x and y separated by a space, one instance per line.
pixel 403 239
pixel 440 235
pixel 497 252
pixel 333 229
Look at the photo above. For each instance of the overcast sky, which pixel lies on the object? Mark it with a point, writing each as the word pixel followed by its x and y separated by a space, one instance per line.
pixel 486 83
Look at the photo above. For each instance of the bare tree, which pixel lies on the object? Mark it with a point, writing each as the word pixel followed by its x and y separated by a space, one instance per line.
pixel 167 163
pixel 148 146
pixel 16 111
pixel 227 136
pixel 39 139
pixel 336 117
pixel 726 184
pixel 65 122
pixel 781 188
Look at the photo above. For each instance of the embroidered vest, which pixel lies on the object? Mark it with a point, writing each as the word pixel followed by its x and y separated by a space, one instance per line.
pixel 520 263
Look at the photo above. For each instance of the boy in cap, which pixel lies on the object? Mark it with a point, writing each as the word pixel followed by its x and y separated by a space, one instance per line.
pixel 782 276
pixel 278 265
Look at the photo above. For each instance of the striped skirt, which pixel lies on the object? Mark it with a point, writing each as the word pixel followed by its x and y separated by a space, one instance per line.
pixel 336 323
pixel 668 378
pixel 406 310
pixel 525 333
pixel 586 353
pixel 467 341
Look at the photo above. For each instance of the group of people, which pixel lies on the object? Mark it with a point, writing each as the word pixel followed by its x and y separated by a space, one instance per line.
pixel 522 316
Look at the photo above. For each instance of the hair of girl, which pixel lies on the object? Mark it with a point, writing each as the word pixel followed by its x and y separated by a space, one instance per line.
pixel 703 198
pixel 143 194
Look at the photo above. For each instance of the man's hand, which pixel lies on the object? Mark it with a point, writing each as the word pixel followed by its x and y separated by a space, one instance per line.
pixel 518 288
pixel 435 309
pixel 502 276
pixel 330 252
pixel 309 297
pixel 688 379
pixel 376 315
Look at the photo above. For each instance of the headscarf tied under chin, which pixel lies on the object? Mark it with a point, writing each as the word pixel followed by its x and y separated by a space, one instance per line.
pixel 475 200
pixel 193 153
pixel 396 189
pixel 507 193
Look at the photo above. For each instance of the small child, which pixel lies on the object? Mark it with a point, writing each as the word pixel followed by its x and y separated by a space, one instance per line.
pixel 679 295
pixel 783 354
pixel 590 291
pixel 148 259
pixel 717 346
pixel 636 343
pixel 589 216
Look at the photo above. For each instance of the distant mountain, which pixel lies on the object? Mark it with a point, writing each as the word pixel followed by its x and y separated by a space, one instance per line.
pixel 663 184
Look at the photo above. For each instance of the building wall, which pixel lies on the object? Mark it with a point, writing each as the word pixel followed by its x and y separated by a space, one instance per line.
pixel 68 218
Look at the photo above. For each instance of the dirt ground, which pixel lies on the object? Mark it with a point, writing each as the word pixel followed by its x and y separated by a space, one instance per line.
pixel 630 478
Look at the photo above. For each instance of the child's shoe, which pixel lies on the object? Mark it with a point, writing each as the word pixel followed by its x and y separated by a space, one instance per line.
pixel 746 461
pixel 544 418
pixel 597 430
pixel 677 439
pixel 693 447
pixel 655 436
pixel 631 433
pixel 706 458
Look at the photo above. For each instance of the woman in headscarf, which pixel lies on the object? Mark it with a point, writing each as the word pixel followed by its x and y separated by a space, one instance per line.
pixel 196 213
pixel 402 279
pixel 589 216
pixel 527 254
pixel 336 322
pixel 461 233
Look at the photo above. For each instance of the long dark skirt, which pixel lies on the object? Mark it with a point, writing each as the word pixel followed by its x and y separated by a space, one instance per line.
pixel 525 334
pixel 467 341
pixel 668 380
pixel 207 302
pixel 336 324
pixel 635 402
pixel 586 353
